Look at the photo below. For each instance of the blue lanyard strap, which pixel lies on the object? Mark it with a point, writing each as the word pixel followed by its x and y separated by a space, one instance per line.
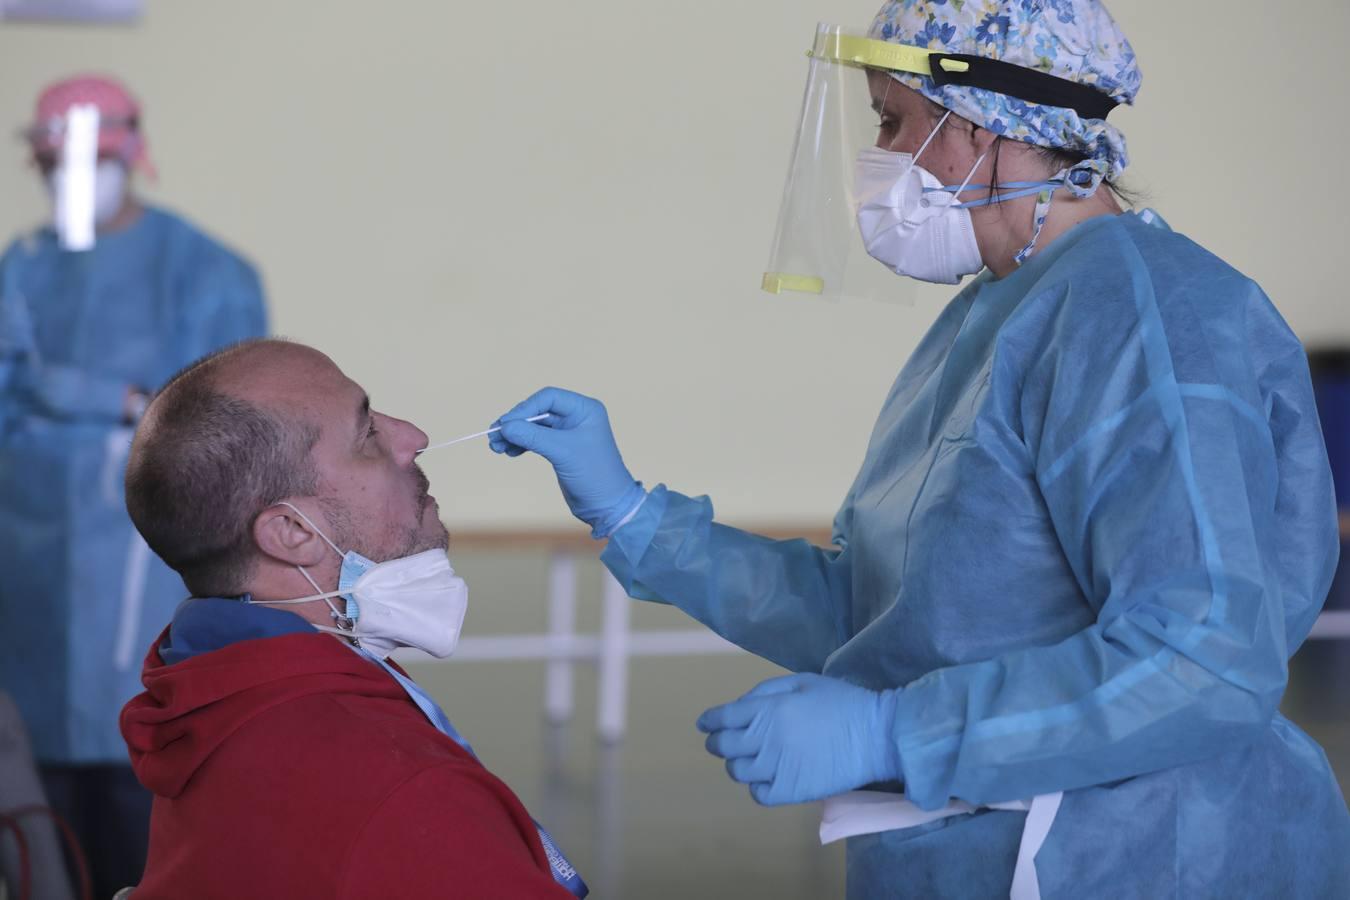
pixel 563 871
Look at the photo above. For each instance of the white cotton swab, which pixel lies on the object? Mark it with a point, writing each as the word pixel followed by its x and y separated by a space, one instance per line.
pixel 469 437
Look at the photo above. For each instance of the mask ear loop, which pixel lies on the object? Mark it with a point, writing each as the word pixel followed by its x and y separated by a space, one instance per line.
pixel 326 598
pixel 928 140
pixel 949 196
pixel 316 528
pixel 318 591
pixel 913 160
pixel 969 175
pixel 321 595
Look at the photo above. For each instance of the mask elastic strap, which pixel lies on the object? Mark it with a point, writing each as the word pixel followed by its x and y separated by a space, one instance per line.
pixel 316 528
pixel 928 140
pixel 969 175
pixel 319 594
pixel 325 596
pixel 322 595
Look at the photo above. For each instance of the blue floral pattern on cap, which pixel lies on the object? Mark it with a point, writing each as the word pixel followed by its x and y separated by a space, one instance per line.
pixel 1072 39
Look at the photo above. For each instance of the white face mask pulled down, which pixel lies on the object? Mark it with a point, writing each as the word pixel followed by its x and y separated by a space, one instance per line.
pixel 910 221
pixel 415 601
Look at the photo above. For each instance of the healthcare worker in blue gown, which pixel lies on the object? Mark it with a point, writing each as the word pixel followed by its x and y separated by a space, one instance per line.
pixel 85 337
pixel 1094 521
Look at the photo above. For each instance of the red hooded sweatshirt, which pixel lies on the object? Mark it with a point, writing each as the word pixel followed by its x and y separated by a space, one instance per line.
pixel 291 767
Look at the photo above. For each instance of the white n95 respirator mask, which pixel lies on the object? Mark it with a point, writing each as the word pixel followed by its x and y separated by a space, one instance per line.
pixel 910 222
pixel 414 601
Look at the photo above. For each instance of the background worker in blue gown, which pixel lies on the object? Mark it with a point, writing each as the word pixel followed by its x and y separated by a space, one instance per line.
pixel 1094 521
pixel 85 337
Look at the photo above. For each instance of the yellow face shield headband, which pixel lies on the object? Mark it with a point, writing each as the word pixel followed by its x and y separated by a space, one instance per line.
pixel 963 70
pixel 869 53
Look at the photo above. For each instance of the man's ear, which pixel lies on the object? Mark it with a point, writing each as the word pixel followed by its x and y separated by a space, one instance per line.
pixel 281 534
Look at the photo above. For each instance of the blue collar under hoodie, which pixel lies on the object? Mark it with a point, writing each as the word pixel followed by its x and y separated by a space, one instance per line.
pixel 203 624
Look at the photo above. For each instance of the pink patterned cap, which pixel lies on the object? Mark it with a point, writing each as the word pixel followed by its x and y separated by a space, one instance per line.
pixel 119 118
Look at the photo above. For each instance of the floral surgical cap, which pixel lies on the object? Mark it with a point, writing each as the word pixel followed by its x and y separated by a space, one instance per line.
pixel 1072 39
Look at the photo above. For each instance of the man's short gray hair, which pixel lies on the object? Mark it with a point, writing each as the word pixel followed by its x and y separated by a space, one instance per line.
pixel 204 465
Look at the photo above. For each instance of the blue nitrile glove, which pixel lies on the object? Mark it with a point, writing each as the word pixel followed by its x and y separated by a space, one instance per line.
pixel 577 440
pixel 805 737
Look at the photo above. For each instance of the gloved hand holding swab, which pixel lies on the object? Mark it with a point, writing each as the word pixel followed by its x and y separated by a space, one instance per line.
pixel 469 437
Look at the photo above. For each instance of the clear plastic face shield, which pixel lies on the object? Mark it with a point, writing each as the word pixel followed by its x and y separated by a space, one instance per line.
pixel 87 191
pixel 817 247
pixel 74 186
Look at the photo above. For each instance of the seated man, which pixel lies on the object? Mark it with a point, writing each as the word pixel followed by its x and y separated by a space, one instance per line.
pixel 287 757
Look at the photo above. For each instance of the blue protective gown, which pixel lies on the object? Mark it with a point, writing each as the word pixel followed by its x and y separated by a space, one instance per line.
pixel 1094 521
pixel 81 596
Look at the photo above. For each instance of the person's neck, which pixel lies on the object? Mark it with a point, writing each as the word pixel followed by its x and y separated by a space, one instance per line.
pixel 1066 211
pixel 130 213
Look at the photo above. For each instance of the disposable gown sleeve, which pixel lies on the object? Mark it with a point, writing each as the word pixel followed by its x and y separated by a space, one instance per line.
pixel 70 392
pixel 11 351
pixel 1200 526
pixel 783 600
pixel 62 391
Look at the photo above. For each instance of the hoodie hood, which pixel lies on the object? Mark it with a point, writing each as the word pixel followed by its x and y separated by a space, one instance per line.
pixel 231 663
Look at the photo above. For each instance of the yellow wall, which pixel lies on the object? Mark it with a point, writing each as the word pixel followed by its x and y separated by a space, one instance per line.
pixel 463 201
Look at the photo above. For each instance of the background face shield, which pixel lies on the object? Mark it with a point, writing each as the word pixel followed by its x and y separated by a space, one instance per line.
pixel 817 248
